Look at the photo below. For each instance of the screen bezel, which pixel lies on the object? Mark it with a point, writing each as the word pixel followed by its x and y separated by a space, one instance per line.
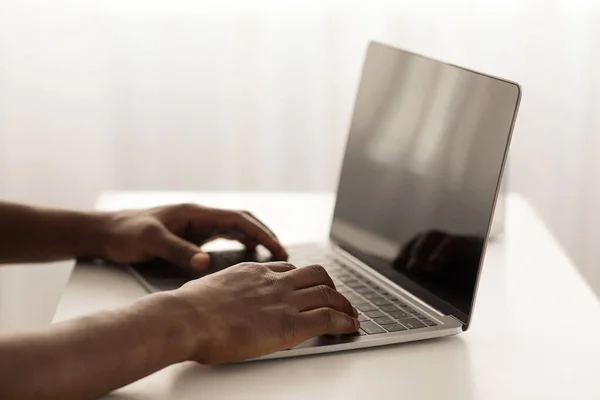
pixel 412 287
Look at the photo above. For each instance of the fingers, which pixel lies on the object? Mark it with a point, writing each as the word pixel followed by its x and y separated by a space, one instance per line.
pixel 240 222
pixel 180 252
pixel 322 296
pixel 325 321
pixel 306 277
pixel 248 213
pixel 257 232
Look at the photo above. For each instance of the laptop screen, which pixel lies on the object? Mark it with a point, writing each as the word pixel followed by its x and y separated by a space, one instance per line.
pixel 421 171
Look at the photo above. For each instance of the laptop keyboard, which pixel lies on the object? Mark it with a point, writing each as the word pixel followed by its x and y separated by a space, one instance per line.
pixel 379 310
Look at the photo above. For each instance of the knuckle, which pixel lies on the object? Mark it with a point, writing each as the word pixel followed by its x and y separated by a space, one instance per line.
pixel 267 275
pixel 319 271
pixel 239 214
pixel 230 217
pixel 327 294
pixel 181 211
pixel 328 317
pixel 255 268
pixel 151 231
pixel 186 207
pixel 286 264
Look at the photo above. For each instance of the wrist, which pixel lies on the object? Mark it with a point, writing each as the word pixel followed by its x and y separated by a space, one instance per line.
pixel 93 233
pixel 189 326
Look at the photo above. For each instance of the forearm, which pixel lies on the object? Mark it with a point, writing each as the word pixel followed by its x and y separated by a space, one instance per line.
pixel 90 356
pixel 33 234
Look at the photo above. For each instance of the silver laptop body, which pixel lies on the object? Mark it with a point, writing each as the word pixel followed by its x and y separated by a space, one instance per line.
pixel 416 196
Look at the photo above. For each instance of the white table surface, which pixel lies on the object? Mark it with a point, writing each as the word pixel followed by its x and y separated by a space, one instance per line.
pixel 534 334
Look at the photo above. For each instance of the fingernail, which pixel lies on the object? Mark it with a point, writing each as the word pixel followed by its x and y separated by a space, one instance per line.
pixel 356 323
pixel 355 311
pixel 200 260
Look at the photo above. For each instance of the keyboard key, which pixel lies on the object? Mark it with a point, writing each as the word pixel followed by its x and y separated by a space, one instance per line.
pixel 389 308
pixel 398 302
pixel 380 301
pixel 395 327
pixel 371 295
pixel 354 298
pixel 412 323
pixel 428 322
pixel 384 321
pixel 379 290
pixel 364 307
pixel 362 290
pixel 354 284
pixel 421 317
pixel 375 314
pixel 408 309
pixel 399 314
pixel 363 318
pixel 371 328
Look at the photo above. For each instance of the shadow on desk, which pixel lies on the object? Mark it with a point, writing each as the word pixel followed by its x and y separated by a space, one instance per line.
pixel 429 369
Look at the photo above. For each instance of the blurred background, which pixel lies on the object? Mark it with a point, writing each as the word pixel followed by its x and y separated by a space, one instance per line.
pixel 257 95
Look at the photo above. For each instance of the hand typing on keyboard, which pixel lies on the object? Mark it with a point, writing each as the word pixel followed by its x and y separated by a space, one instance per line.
pixel 253 309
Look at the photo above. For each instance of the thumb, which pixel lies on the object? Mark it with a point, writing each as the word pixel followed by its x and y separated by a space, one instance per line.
pixel 182 253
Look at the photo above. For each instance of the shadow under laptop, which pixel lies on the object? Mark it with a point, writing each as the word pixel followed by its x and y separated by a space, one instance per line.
pixel 437 368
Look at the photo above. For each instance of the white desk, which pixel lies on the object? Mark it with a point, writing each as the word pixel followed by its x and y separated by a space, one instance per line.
pixel 534 335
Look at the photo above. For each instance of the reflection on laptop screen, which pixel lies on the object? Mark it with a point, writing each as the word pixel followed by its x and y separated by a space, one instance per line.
pixel 421 170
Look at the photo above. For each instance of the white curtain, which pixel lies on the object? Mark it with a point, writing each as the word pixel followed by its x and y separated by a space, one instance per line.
pixel 257 95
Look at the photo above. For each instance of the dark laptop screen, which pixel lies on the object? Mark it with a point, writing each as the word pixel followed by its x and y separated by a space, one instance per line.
pixel 420 175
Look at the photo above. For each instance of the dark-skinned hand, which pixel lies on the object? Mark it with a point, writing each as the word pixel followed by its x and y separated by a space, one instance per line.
pixel 176 233
pixel 250 310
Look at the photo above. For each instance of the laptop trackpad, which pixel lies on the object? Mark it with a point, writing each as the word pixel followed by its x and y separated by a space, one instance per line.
pixel 328 340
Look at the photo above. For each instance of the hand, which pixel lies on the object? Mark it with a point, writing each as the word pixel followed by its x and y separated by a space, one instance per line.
pixel 175 234
pixel 250 310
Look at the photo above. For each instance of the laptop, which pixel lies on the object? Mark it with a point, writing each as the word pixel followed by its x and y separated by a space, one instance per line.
pixel 416 195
